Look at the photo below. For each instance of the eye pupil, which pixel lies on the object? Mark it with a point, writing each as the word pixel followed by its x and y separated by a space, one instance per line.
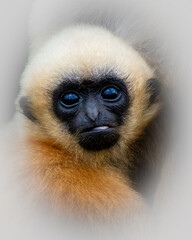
pixel 70 99
pixel 110 93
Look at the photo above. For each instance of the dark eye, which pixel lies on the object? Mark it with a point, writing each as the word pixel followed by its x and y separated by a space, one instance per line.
pixel 110 94
pixel 69 99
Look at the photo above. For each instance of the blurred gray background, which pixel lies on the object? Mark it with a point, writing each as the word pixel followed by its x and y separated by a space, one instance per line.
pixel 175 20
pixel 13 52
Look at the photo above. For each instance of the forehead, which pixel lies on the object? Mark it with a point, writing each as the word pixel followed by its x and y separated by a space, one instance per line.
pixel 96 77
pixel 90 85
pixel 82 54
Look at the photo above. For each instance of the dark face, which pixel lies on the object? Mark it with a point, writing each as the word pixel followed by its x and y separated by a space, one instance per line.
pixel 92 110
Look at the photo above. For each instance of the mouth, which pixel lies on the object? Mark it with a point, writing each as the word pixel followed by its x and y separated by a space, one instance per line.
pixel 98 138
pixel 97 129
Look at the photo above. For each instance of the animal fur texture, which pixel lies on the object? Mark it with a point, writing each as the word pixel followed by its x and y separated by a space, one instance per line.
pixel 79 183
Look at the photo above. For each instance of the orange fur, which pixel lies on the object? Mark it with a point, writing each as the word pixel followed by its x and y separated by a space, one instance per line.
pixel 75 188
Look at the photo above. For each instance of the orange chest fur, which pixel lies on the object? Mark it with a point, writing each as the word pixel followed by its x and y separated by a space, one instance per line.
pixel 77 188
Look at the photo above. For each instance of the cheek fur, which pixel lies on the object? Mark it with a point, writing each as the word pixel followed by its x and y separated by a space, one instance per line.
pixel 154 88
pixel 24 103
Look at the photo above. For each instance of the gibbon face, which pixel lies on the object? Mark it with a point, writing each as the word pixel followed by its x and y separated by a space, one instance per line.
pixel 88 90
pixel 92 110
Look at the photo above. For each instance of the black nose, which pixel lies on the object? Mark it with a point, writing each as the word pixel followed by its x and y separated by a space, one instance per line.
pixel 92 109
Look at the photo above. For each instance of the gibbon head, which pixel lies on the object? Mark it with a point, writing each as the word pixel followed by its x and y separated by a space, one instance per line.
pixel 87 90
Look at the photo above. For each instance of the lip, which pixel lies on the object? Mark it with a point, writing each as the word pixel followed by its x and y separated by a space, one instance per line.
pixel 98 138
pixel 103 128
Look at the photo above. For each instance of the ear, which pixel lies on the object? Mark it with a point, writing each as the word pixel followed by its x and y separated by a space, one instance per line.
pixel 154 87
pixel 25 106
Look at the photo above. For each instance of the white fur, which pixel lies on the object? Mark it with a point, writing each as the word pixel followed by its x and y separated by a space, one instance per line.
pixel 128 19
